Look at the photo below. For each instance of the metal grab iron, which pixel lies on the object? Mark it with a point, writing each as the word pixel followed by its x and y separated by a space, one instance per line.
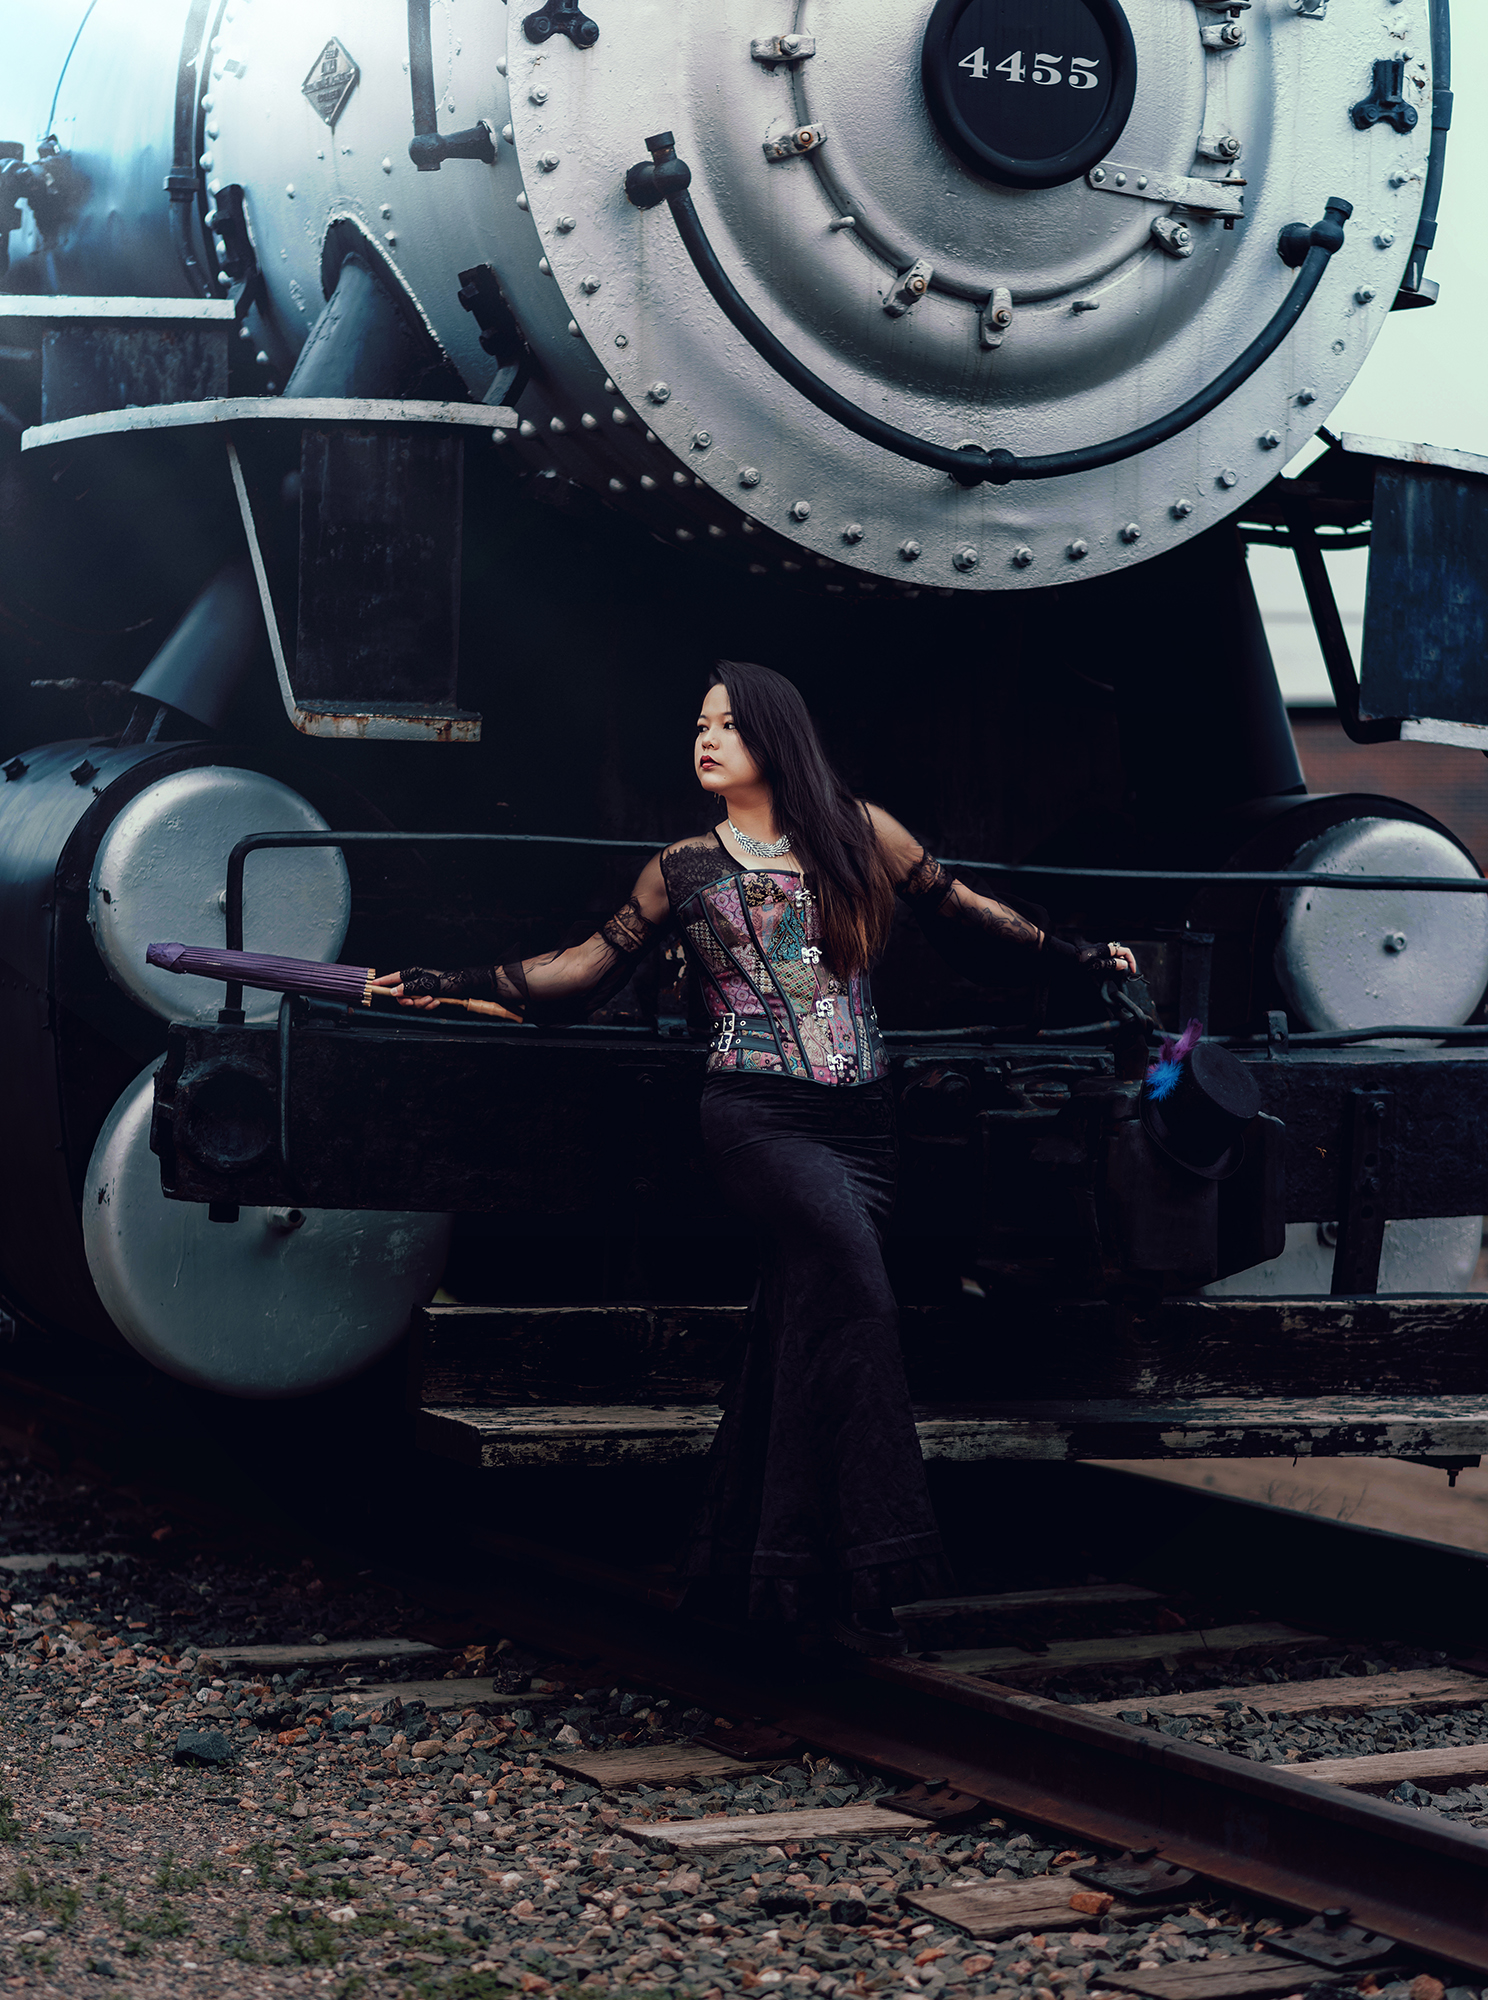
pixel 667 179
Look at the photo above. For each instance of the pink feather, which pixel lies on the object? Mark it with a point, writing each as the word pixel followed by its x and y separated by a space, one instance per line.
pixel 1174 1051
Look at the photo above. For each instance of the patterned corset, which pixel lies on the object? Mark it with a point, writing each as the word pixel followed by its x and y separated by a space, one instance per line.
pixel 754 937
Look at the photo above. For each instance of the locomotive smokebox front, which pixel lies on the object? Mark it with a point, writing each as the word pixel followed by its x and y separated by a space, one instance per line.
pixel 965 294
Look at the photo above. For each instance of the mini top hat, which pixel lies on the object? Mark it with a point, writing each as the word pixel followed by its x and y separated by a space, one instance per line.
pixel 1196 1103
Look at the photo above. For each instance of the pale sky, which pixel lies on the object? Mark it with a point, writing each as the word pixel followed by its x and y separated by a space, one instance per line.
pixel 1426 380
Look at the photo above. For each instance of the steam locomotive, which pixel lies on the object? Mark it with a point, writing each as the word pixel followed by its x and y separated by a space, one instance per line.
pixel 403 406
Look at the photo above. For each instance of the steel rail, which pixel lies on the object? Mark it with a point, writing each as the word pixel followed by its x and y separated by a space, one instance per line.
pixel 1251 1828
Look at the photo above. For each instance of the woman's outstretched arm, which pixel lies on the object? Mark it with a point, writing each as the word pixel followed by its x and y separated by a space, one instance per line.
pixel 932 892
pixel 590 971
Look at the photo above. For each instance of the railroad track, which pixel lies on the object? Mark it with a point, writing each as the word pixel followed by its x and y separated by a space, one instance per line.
pixel 970 1720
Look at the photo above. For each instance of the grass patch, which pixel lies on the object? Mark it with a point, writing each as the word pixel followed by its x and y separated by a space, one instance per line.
pixel 10 1826
pixel 61 1904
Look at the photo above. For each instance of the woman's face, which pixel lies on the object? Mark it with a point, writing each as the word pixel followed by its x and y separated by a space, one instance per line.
pixel 722 763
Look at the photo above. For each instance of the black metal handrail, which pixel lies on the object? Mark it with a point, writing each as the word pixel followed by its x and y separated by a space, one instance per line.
pixel 665 178
pixel 1269 878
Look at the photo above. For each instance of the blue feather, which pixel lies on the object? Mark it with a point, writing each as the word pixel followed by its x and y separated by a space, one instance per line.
pixel 1162 1079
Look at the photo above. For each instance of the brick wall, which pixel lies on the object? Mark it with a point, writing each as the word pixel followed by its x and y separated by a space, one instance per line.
pixel 1450 784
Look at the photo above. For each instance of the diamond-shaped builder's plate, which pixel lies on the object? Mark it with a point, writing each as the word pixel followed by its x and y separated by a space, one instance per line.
pixel 332 79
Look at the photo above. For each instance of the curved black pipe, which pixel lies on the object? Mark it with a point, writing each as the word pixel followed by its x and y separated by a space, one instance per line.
pixel 183 184
pixel 1413 290
pixel 429 148
pixel 666 178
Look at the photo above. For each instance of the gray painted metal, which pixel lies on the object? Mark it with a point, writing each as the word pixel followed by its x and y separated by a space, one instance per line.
pixel 646 395
pixel 1344 962
pixel 280 1303
pixel 267 409
pixel 157 877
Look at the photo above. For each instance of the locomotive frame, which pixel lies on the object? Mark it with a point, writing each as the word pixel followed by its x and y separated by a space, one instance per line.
pixel 335 566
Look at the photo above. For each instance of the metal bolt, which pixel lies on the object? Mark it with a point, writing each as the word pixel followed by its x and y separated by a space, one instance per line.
pixel 679 479
pixel 1181 509
pixel 910 551
pixel 800 510
pixel 966 558
pixel 385 210
pixel 590 423
pixel 648 482
pixel 842 222
pixel 589 285
pixel 1078 550
pixel 620 416
pixel 522 201
pixel 749 475
pixel 527 428
pixel 1121 180
pixel 1385 238
pixel 716 532
pixel 501 65
pixel 1269 440
pixel 616 485
pixel 509 136
pixel 537 95
pixel 387 166
pixel 545 267
pixel 1098 175
pixel 684 534
pixel 557 424
pixel 1306 396
pixel 853 532
pixel 1141 180
pixel 547 161
pixel 1364 294
pixel 573 327
pixel 261 358
pixel 659 392
pixel 789 44
pixel 564 223
pixel 702 440
pixel 622 340
pixel 389 236
pixel 1394 941
pixel 1132 532
pixel 1022 557
pixel 1228 478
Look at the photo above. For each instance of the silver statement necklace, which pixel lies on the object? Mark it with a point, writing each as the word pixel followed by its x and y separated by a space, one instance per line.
pixel 761 850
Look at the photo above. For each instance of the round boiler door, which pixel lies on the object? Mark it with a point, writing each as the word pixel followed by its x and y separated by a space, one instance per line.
pixel 159 873
pixel 280 1303
pixel 1029 93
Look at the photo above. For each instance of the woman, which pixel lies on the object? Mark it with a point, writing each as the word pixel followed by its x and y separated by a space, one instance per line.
pixel 816 1496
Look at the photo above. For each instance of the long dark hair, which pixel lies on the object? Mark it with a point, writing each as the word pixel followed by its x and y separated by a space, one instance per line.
pixel 832 836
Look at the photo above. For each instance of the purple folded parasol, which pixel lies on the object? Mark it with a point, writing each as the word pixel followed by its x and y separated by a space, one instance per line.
pixel 256 968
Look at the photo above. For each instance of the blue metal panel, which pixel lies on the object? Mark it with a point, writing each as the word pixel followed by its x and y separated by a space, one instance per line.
pixel 1426 615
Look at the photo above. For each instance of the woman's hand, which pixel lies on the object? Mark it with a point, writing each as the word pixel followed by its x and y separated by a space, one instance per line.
pixel 1109 961
pixel 391 983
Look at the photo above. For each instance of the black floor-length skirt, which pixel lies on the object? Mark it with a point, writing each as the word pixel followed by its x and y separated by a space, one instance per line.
pixel 815 1493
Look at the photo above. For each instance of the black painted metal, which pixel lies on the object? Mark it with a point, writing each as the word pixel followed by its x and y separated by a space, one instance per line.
pixel 938 63
pixel 1429 551
pixel 429 148
pixel 1366 1194
pixel 204 662
pixel 1332 639
pixel 971 465
pixel 1415 290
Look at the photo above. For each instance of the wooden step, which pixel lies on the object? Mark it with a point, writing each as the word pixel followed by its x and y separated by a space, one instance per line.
pixel 994 1910
pixel 587 1434
pixel 1173 1350
pixel 1005 1603
pixel 718 1833
pixel 1219 1642
pixel 1428 1689
pixel 1433 1770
